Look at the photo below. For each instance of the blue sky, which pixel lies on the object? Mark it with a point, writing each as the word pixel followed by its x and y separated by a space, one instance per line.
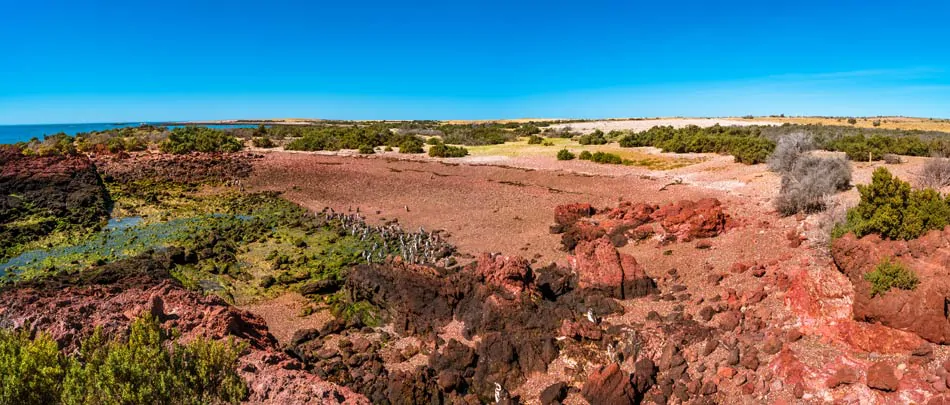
pixel 103 61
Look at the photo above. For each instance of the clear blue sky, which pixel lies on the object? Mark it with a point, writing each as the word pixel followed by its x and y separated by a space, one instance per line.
pixel 103 61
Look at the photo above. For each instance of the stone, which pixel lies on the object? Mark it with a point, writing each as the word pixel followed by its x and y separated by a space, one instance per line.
pixel 883 377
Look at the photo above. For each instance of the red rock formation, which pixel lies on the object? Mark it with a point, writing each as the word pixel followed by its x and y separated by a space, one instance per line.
pixel 923 310
pixel 512 274
pixel 600 267
pixel 570 213
pixel 684 221
pixel 609 385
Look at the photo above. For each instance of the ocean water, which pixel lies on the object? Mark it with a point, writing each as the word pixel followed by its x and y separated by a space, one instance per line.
pixel 22 133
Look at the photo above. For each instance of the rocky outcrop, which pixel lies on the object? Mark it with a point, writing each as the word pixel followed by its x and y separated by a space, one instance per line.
pixel 922 310
pixel 600 267
pixel 681 221
pixel 38 193
pixel 192 168
pixel 511 274
pixel 515 312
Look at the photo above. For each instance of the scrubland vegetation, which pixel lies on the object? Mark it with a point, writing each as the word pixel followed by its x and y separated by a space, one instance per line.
pixel 890 208
pixel 746 144
pixel 147 367
pixel 200 139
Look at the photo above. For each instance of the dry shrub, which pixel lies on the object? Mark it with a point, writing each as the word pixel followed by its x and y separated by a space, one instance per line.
pixel 787 151
pixel 935 173
pixel 892 159
pixel 810 181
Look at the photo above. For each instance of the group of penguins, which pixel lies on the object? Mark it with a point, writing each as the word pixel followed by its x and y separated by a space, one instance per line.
pixel 419 247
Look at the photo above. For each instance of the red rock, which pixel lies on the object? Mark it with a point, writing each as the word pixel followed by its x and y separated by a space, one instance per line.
pixel 882 376
pixel 729 320
pixel 609 385
pixel 580 330
pixel 844 375
pixel 512 274
pixel 570 213
pixel 922 310
pixel 739 267
pixel 726 372
pixel 772 345
pixel 600 267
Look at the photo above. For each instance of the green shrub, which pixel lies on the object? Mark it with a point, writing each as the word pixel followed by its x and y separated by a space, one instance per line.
pixel 876 123
pixel 890 274
pixel 608 158
pixel 535 140
pixel 200 139
pixel 565 154
pixel 890 208
pixel 852 121
pixel 144 368
pixel 433 141
pixel 593 138
pixel 366 150
pixel 446 151
pixel 529 129
pixel 411 145
pixel 585 155
pixel 263 142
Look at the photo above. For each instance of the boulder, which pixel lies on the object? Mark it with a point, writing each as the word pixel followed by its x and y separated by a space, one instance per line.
pixel 600 267
pixel 922 310
pixel 609 385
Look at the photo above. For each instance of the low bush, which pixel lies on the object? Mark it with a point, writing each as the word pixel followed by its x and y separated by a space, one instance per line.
pixel 594 138
pixel 200 139
pixel 808 183
pixel 565 154
pixel 263 142
pixel 852 121
pixel 585 155
pixel 411 144
pixel 890 274
pixel 876 123
pixel 432 140
pixel 366 150
pixel 144 368
pixel 608 158
pixel 446 151
pixel 535 140
pixel 529 129
pixel 890 208
pixel 935 173
pixel 51 145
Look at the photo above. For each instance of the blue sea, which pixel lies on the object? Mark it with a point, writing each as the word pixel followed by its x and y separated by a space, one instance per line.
pixel 22 133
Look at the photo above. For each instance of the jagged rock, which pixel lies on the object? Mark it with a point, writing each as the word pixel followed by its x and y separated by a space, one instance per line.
pixel 511 274
pixel 600 267
pixel 609 385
